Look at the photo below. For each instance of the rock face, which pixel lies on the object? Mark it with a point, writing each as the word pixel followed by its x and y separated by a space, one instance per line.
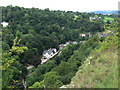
pixel 63 87
pixel 73 85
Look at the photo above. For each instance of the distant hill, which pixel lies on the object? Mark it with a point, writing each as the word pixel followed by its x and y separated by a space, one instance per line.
pixel 105 12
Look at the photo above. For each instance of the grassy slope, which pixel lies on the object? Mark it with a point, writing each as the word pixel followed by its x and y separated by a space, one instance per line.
pixel 0 60
pixel 103 70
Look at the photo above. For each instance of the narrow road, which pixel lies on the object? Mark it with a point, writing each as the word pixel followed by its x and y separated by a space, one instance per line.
pixel 30 66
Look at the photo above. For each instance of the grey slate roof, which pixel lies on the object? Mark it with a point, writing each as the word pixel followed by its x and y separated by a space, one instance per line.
pixel 49 51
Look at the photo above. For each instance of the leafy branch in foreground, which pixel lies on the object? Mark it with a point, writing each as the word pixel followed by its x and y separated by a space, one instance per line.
pixel 8 58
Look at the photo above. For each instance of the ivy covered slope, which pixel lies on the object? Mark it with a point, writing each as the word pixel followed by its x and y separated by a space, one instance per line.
pixel 100 69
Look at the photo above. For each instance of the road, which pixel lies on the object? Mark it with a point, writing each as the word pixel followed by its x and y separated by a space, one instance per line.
pixel 45 60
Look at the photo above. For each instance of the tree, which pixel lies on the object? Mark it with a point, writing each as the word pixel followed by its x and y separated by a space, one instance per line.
pixel 67 78
pixel 7 59
pixel 108 21
pixel 5 46
pixel 38 85
pixel 62 69
pixel 50 64
pixel 52 80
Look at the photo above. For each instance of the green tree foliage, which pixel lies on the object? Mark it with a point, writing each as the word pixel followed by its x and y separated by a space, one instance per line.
pixel 62 69
pixel 32 78
pixel 51 29
pixel 9 57
pixel 52 80
pixel 38 30
pixel 38 85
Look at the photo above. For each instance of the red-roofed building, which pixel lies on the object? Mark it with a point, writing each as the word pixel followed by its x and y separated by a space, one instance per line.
pixel 83 35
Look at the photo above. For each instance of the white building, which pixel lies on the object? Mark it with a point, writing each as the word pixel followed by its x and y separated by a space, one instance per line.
pixel 93 18
pixel 74 42
pixel 68 42
pixel 5 24
pixel 48 53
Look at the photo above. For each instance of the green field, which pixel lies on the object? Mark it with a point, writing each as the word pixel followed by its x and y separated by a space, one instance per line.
pixel 105 19
pixel 108 18
pixel 75 17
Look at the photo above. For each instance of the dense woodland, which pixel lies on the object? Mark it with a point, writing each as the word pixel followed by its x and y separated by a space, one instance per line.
pixel 32 30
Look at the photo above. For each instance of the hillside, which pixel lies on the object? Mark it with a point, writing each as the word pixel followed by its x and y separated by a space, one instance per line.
pixel 62 40
pixel 106 12
pixel 40 30
pixel 102 71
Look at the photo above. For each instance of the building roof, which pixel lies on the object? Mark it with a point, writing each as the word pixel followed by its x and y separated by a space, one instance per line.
pixel 74 42
pixel 92 18
pixel 44 52
pixel 61 45
pixel 82 34
pixel 4 23
pixel 49 51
